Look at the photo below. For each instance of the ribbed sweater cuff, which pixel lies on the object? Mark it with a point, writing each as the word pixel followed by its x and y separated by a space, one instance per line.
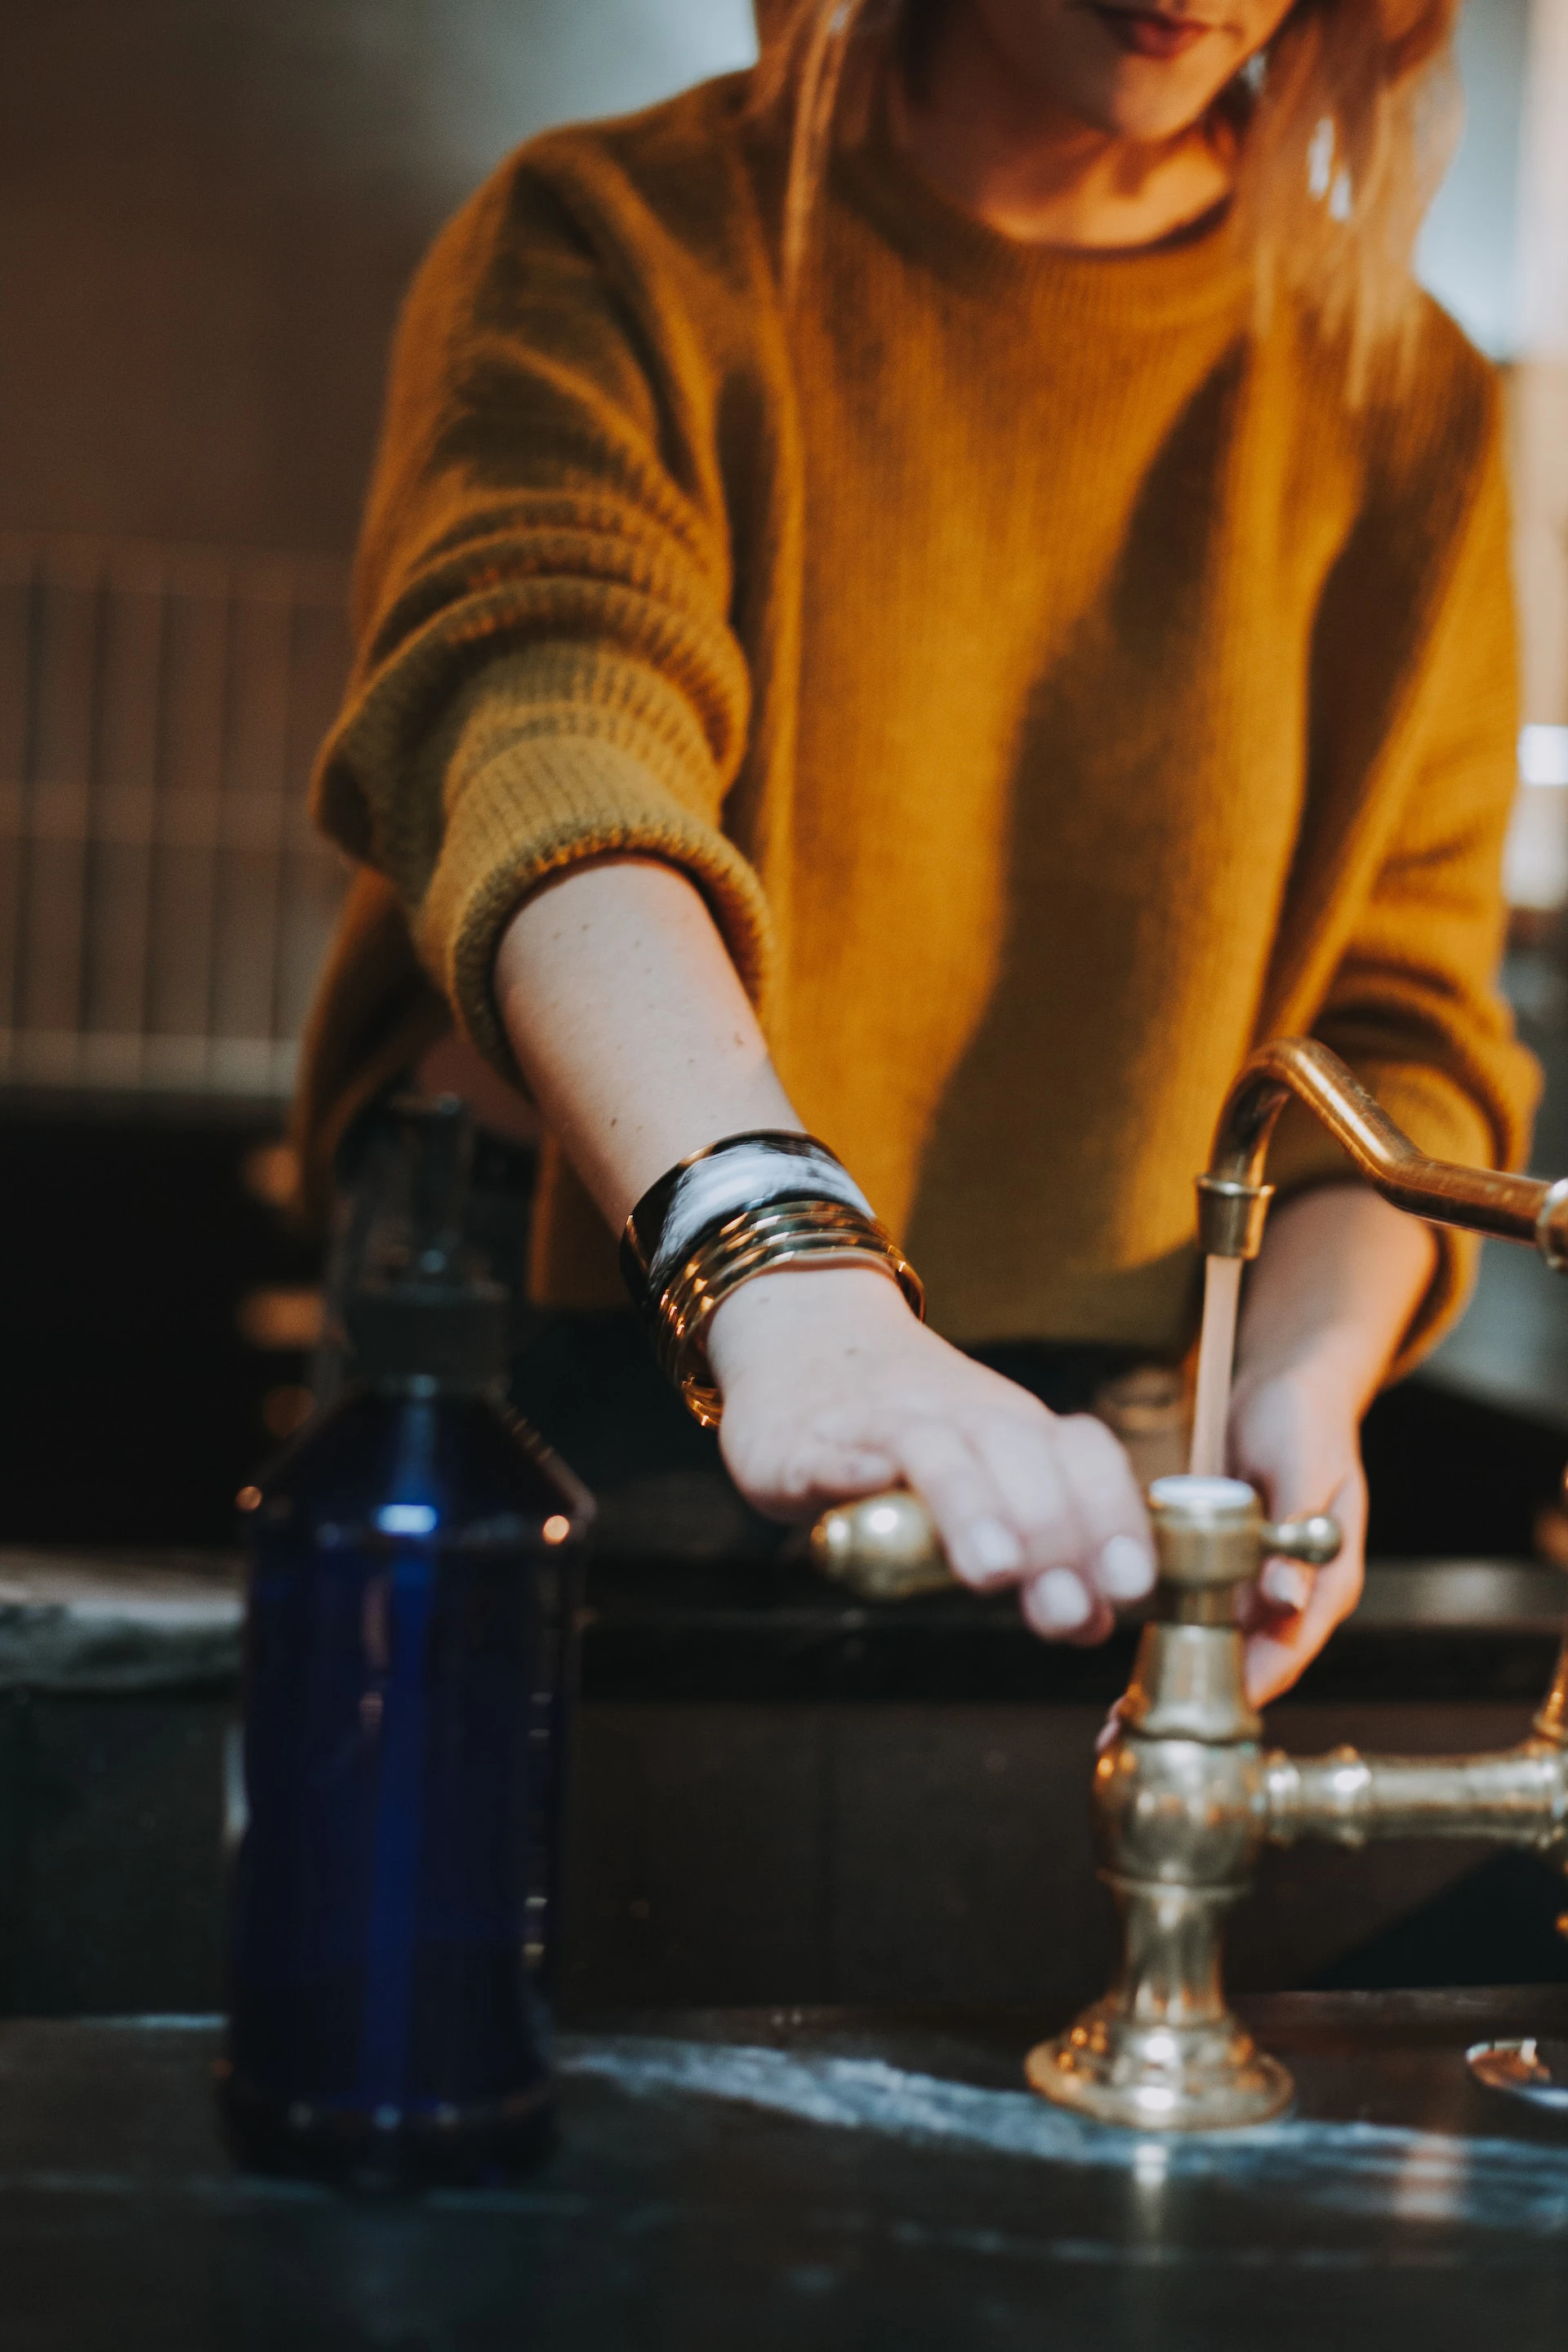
pixel 544 802
pixel 1443 1121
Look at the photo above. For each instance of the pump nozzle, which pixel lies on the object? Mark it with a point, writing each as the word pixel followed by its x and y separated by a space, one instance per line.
pixel 428 1311
pixel 438 1140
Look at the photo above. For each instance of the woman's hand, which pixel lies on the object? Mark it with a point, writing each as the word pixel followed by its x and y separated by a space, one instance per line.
pixel 831 1389
pixel 1329 1299
pixel 1294 1437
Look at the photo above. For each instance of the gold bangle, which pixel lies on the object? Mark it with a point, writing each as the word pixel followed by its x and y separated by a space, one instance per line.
pixel 755 1242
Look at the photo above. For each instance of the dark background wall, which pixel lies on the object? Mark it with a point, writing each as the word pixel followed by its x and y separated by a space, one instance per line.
pixel 209 209
pixel 208 212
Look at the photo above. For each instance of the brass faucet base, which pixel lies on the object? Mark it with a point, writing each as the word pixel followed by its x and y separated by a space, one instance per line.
pixel 1160 2078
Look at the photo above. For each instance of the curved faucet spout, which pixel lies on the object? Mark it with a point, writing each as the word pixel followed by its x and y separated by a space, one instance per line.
pixel 1233 1197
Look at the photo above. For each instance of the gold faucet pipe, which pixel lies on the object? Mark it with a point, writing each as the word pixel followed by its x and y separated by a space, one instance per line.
pixel 1233 1195
pixel 1519 1796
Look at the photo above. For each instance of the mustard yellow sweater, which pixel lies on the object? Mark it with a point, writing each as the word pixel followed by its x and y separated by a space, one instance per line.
pixel 1052 685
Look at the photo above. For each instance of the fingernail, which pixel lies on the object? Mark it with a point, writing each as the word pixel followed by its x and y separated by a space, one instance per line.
pixel 987 1548
pixel 1057 1602
pixel 1286 1586
pixel 1126 1571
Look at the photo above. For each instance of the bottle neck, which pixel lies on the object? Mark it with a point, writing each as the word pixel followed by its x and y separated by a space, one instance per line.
pixel 428 1388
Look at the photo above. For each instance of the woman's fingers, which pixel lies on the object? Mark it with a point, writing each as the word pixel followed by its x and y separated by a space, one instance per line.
pixel 1282 1640
pixel 978 1534
pixel 1066 1494
pixel 1005 1501
pixel 1019 1449
pixel 1072 1498
pixel 1299 1445
pixel 1063 1606
pixel 1276 1654
pixel 1121 1558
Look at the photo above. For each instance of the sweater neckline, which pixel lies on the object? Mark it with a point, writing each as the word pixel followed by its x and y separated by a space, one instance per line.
pixel 1138 288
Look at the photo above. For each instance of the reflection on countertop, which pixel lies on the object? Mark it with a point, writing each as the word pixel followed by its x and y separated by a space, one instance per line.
pixel 838 2178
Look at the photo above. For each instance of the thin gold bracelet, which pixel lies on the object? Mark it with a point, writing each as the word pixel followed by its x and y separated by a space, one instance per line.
pixel 753 1243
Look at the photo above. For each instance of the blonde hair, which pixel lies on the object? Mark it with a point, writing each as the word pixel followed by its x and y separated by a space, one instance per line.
pixel 1342 130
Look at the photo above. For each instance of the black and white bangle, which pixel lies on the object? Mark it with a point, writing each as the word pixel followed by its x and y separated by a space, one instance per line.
pixel 701 1193
pixel 748 1205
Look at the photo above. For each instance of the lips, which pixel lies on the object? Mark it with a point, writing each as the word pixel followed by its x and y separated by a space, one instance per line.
pixel 1149 33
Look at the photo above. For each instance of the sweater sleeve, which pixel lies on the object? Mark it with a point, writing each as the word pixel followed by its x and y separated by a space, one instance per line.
pixel 546 671
pixel 1414 1004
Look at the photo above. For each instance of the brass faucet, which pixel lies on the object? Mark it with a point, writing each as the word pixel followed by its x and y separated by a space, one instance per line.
pixel 1184 1796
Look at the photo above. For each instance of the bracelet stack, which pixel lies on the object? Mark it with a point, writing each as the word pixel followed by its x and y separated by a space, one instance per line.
pixel 748 1205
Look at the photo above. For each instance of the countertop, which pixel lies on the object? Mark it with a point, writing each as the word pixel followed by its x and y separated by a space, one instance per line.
pixel 840 2180
pixel 84 1621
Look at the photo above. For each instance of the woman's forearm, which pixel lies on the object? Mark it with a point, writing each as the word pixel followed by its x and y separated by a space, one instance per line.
pixel 1340 1278
pixel 630 1025
pixel 639 1045
pixel 636 1036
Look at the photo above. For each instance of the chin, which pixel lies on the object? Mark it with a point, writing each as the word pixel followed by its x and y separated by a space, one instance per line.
pixel 1152 105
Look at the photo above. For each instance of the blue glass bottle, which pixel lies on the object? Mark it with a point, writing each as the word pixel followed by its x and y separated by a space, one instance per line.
pixel 415 1562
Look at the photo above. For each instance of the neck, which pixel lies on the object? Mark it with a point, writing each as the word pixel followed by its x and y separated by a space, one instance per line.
pixel 1007 152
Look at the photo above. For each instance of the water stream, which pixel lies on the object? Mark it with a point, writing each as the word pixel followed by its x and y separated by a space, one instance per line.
pixel 1216 1355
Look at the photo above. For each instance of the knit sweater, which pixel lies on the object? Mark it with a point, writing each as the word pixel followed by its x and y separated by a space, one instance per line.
pixel 1053 684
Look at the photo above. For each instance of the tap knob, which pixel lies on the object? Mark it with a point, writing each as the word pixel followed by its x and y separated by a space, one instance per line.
pixel 1314 1541
pixel 883 1547
pixel 1210 1537
pixel 1210 1533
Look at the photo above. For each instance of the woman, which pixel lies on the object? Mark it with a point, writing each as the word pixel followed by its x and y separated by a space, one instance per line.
pixel 934 594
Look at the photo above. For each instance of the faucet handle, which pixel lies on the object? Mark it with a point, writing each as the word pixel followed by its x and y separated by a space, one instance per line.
pixel 1207 1531
pixel 882 1547
pixel 1314 1541
pixel 1211 1532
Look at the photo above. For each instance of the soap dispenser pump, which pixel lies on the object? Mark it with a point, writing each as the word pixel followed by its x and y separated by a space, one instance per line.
pixel 414 1561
